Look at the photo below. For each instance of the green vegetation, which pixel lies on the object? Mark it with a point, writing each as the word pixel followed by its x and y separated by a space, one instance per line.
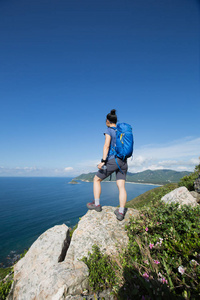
pixel 73 182
pixel 162 260
pixel 72 230
pixel 151 197
pixel 102 274
pixel 23 254
pixel 188 180
pixel 5 283
pixel 4 272
pixel 163 253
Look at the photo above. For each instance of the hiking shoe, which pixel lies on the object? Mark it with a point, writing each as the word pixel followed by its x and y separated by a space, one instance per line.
pixel 119 216
pixel 93 206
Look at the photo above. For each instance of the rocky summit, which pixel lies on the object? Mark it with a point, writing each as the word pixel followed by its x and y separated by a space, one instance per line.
pixel 51 269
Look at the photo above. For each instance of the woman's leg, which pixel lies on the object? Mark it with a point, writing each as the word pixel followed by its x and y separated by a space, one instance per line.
pixel 122 192
pixel 97 187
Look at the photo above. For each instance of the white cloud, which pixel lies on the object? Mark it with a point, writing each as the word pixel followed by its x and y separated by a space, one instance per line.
pixel 178 155
pixel 68 169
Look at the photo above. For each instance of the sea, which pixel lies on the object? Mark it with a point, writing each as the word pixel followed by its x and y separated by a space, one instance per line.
pixel 31 205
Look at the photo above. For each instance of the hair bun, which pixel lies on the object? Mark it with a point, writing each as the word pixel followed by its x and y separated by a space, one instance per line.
pixel 113 111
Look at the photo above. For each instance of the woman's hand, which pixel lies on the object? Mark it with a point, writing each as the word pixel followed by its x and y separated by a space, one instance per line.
pixel 100 165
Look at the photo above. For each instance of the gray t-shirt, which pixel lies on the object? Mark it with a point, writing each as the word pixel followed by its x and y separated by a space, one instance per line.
pixel 111 132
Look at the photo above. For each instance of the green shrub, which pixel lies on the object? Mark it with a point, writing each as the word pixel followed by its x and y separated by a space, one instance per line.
pixel 162 260
pixel 101 270
pixel 5 284
pixel 5 289
pixel 4 272
pixel 188 181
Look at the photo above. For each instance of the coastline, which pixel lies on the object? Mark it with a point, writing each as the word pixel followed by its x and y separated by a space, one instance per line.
pixel 132 182
pixel 158 184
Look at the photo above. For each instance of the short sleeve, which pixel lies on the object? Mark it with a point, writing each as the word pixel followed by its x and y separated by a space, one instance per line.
pixel 108 131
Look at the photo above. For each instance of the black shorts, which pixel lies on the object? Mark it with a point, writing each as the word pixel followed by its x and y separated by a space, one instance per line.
pixel 113 167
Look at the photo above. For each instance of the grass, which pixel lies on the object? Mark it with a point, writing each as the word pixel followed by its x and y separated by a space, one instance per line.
pixel 152 195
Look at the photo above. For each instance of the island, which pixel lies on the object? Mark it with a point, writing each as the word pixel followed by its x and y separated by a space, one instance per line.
pixel 73 182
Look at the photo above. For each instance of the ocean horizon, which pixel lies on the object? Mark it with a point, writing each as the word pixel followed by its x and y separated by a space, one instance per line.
pixel 31 205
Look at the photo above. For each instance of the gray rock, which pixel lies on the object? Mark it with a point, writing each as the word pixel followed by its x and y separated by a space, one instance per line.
pixel 196 196
pixel 95 296
pixel 42 274
pixel 100 228
pixel 197 185
pixel 180 195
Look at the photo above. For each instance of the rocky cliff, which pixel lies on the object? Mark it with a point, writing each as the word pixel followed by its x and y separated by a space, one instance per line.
pixel 52 269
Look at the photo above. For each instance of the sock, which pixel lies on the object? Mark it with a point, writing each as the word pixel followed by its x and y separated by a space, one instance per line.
pixel 96 202
pixel 121 210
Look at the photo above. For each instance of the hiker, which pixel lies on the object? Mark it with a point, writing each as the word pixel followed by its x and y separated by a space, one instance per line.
pixel 107 166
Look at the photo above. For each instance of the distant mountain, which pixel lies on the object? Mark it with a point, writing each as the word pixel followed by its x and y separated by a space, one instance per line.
pixel 148 176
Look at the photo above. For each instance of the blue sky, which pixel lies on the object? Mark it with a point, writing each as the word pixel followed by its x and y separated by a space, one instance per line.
pixel 65 64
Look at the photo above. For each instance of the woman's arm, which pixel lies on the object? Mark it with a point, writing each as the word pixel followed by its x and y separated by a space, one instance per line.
pixel 105 149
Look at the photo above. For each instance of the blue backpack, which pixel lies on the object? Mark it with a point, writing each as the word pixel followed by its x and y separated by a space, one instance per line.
pixel 124 142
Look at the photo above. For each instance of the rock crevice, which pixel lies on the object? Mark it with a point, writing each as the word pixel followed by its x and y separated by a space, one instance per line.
pixel 65 247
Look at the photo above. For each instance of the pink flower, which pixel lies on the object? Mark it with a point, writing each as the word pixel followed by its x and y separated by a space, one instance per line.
pixel 156 262
pixel 146 262
pixel 142 215
pixel 146 228
pixel 146 276
pixel 164 280
pixel 151 246
pixel 157 223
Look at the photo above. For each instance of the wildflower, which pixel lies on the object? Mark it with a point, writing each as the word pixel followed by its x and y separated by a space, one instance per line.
pixel 157 223
pixel 194 263
pixel 146 228
pixel 181 270
pixel 156 262
pixel 164 280
pixel 146 262
pixel 146 276
pixel 151 246
pixel 160 242
pixel 142 215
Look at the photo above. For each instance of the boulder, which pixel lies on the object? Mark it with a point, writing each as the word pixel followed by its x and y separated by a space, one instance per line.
pixel 100 228
pixel 196 196
pixel 42 273
pixel 180 195
pixel 197 185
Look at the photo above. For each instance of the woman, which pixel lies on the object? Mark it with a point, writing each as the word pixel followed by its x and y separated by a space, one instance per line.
pixel 107 166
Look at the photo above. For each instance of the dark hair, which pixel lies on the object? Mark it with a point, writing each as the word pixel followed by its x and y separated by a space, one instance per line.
pixel 112 117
